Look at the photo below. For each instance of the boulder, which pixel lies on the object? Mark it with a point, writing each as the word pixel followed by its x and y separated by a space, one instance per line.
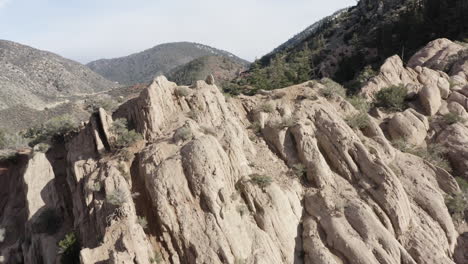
pixel 430 100
pixel 409 126
pixel 435 54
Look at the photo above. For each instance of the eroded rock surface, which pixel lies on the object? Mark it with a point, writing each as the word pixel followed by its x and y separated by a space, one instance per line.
pixel 279 177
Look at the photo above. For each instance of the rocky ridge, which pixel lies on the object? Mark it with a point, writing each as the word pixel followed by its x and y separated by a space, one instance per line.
pixel 279 177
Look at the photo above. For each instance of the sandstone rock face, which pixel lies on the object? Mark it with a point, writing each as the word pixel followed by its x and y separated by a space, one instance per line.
pixel 435 55
pixel 279 177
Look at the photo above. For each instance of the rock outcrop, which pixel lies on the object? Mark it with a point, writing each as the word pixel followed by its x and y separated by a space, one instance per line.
pixel 279 177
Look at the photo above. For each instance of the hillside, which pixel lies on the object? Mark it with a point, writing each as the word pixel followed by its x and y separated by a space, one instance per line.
pixel 144 66
pixel 37 79
pixel 223 69
pixel 302 174
pixel 340 46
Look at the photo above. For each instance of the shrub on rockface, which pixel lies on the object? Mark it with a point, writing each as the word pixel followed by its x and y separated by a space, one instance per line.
pixel 123 136
pixel 392 98
pixel 458 202
pixel 69 249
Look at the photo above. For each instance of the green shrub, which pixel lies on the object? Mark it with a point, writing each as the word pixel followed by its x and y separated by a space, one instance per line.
pixel 108 104
pixel 3 141
pixel 69 249
pixel 299 170
pixel 42 147
pixel 183 134
pixel 54 130
pixel 261 180
pixel 256 127
pixel 157 258
pixel 123 136
pixel 457 205
pixel 433 153
pixel 392 98
pixel 360 103
pixel 118 197
pixel 358 121
pixel 332 88
pixel 266 108
pixel 452 118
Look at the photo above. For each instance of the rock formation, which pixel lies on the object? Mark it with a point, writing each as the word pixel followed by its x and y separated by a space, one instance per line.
pixel 278 177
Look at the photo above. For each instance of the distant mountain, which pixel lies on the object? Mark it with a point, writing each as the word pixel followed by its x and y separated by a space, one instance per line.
pixel 144 66
pixel 342 45
pixel 39 79
pixel 222 68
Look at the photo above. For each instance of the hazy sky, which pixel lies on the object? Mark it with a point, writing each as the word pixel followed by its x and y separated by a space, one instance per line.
pixel 86 30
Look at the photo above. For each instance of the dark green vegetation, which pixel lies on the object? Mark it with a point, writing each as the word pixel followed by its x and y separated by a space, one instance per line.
pixel 53 131
pixel 124 136
pixel 397 27
pixel 69 248
pixel 261 180
pixel 392 98
pixel 458 203
pixel 142 67
pixel 223 69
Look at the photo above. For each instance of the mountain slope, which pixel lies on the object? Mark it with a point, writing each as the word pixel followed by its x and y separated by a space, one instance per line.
pixel 341 45
pixel 36 78
pixel 144 66
pixel 222 68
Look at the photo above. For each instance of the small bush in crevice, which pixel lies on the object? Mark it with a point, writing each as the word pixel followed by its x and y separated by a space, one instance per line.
pixel 69 249
pixel 332 88
pixel 118 197
pixel 457 205
pixel 183 134
pixel 392 98
pixel 266 108
pixel 42 147
pixel 360 103
pixel 433 153
pixel 358 121
pixel 157 258
pixel 123 136
pixel 299 170
pixel 261 180
pixel 453 118
pixel 256 127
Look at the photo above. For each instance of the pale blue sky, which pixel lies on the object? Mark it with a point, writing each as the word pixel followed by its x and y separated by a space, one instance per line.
pixel 86 30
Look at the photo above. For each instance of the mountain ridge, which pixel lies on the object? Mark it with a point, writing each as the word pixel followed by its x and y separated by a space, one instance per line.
pixel 38 78
pixel 142 67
